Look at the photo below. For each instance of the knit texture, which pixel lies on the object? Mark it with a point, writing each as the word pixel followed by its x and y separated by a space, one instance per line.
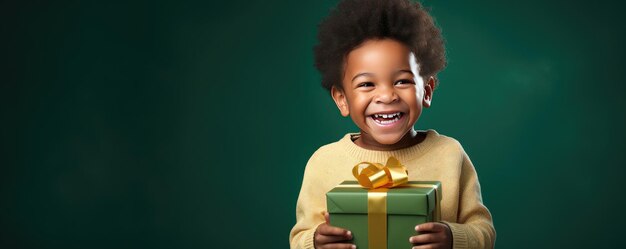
pixel 436 158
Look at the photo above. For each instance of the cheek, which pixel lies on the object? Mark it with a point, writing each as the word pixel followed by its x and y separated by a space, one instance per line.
pixel 359 103
pixel 411 97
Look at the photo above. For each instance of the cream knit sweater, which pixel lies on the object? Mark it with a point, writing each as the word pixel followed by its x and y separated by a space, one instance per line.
pixel 438 158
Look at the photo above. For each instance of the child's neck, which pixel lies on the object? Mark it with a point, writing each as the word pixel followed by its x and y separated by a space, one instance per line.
pixel 411 138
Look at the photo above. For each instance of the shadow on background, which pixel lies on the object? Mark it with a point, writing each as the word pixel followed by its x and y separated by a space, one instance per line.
pixel 187 124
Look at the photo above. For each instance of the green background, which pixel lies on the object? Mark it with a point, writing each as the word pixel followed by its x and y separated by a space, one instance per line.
pixel 187 124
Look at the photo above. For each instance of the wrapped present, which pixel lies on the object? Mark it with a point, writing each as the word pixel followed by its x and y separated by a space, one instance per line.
pixel 382 208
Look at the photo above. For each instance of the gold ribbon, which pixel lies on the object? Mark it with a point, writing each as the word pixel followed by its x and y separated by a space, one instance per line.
pixel 378 179
pixel 377 218
pixel 375 175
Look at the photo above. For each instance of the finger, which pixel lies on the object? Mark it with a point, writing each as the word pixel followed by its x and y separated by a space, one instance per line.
pixel 325 239
pixel 429 246
pixel 329 230
pixel 430 227
pixel 338 246
pixel 427 238
pixel 327 217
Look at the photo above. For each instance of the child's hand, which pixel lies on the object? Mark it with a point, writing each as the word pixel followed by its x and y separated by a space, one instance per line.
pixel 433 235
pixel 327 236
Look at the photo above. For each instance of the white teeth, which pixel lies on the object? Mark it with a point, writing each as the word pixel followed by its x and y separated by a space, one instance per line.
pixel 386 121
pixel 391 115
pixel 395 116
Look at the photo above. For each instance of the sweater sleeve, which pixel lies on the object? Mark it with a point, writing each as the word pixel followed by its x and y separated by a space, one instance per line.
pixel 474 227
pixel 309 209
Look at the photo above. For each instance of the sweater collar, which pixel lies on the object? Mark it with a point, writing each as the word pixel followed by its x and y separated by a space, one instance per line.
pixel 378 156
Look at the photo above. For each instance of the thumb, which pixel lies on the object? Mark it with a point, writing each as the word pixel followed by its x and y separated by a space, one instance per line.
pixel 327 217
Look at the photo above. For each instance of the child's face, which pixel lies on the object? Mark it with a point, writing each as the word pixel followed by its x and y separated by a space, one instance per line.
pixel 383 93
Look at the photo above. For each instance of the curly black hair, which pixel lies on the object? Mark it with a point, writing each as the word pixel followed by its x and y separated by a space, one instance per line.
pixel 353 22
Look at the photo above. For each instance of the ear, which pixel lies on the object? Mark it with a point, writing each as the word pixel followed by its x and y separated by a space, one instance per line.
pixel 429 89
pixel 339 96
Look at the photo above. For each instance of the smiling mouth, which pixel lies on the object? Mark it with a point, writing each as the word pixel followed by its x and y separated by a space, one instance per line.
pixel 387 118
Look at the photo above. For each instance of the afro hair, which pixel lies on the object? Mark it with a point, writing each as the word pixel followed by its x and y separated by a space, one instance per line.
pixel 353 22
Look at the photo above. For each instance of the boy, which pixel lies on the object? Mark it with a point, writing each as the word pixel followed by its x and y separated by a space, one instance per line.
pixel 379 60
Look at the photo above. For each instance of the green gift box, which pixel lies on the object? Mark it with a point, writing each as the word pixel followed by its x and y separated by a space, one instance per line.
pixel 406 205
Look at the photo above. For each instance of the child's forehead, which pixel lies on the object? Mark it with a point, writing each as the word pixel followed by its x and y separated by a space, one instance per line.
pixel 380 55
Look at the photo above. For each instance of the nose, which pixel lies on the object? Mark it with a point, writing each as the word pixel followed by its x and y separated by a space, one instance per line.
pixel 386 95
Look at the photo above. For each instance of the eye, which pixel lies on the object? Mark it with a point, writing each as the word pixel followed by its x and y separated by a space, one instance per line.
pixel 365 84
pixel 405 82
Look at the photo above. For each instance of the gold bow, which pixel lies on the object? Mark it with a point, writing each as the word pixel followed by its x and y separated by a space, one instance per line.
pixel 375 175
